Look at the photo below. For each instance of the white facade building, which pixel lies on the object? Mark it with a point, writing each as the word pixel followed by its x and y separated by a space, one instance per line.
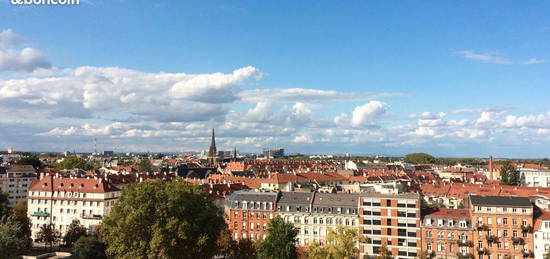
pixel 59 201
pixel 15 181
pixel 541 235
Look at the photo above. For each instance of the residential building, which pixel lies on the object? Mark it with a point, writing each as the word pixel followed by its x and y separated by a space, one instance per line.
pixel 60 200
pixel 447 233
pixel 314 213
pixel 15 181
pixel 390 219
pixel 542 234
pixel 248 213
pixel 503 226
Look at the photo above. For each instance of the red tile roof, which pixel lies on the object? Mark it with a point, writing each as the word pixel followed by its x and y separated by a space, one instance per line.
pixel 65 184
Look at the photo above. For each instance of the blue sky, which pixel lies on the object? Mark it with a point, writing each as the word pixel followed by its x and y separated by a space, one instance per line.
pixel 451 78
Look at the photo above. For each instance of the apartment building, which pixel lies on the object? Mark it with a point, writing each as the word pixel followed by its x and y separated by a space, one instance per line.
pixel 15 181
pixel 503 226
pixel 248 213
pixel 393 220
pixel 60 200
pixel 447 233
pixel 541 234
pixel 314 214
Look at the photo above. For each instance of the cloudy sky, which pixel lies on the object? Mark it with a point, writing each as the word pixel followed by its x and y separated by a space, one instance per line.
pixel 363 77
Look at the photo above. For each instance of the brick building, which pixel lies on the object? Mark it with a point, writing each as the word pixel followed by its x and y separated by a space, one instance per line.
pixel 447 233
pixel 247 213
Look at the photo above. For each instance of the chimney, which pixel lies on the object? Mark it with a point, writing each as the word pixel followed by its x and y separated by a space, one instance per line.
pixel 491 168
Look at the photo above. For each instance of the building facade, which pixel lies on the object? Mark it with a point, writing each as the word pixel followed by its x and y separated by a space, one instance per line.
pixel 248 213
pixel 447 233
pixel 391 220
pixel 15 181
pixel 504 227
pixel 541 234
pixel 60 200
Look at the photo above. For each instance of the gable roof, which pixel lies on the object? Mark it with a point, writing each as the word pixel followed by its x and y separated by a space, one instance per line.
pixel 500 201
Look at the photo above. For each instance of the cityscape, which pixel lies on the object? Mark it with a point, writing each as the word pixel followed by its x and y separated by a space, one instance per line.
pixel 237 129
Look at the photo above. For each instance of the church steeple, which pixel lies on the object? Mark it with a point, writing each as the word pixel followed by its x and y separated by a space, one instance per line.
pixel 212 151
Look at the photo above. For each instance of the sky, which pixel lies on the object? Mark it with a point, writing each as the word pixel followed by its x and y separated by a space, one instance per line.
pixel 450 78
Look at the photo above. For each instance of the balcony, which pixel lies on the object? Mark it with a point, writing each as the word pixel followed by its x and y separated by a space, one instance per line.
pixel 91 216
pixel 465 255
pixel 528 253
pixel 518 240
pixel 461 242
pixel 40 213
pixel 482 227
pixel 526 228
pixel 492 238
pixel 483 251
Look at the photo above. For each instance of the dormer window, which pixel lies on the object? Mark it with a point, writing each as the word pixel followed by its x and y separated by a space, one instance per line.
pixel 439 222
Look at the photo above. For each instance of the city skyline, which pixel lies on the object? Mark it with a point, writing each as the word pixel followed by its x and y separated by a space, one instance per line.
pixel 462 79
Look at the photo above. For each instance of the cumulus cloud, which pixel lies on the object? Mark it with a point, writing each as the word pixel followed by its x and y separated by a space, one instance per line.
pixel 14 57
pixel 367 114
pixel 484 57
pixel 308 95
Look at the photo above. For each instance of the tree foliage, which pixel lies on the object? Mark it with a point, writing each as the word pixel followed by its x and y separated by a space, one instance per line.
pixel 159 219
pixel 4 204
pixel 241 249
pixel 340 244
pixel 30 160
pixel 145 165
pixel 384 253
pixel 74 233
pixel 49 235
pixel 19 215
pixel 12 240
pixel 89 248
pixel 509 175
pixel 419 158
pixel 72 162
pixel 280 242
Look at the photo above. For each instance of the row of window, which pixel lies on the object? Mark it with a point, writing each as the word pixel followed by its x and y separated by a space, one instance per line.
pixel 500 209
pixel 501 221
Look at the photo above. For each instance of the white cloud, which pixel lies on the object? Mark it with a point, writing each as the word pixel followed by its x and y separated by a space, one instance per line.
pixel 14 58
pixel 533 61
pixel 307 95
pixel 367 114
pixel 484 57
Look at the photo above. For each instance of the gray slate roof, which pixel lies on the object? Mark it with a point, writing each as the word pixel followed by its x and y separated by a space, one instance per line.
pixel 500 201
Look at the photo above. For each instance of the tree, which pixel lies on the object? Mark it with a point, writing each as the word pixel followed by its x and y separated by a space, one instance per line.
pixel 280 242
pixel 12 241
pixel 4 204
pixel 384 253
pixel 49 235
pixel 159 219
pixel 89 248
pixel 19 214
pixel 225 243
pixel 145 165
pixel 74 233
pixel 419 158
pixel 244 249
pixel 31 160
pixel 509 175
pixel 340 244
pixel 423 255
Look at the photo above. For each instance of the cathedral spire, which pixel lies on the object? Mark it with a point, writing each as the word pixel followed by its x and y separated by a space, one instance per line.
pixel 212 151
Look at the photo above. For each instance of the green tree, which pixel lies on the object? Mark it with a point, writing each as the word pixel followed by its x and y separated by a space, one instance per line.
pixel 145 165
pixel 159 219
pixel 384 253
pixel 225 243
pixel 423 255
pixel 419 158
pixel 244 249
pixel 509 175
pixel 31 160
pixel 89 248
pixel 74 233
pixel 340 244
pixel 19 214
pixel 72 162
pixel 280 242
pixel 12 241
pixel 4 204
pixel 49 235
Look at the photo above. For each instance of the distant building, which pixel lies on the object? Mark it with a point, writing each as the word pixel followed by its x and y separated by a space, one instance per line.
pixel 60 200
pixel 274 153
pixel 15 181
pixel 249 212
pixel 108 153
pixel 213 157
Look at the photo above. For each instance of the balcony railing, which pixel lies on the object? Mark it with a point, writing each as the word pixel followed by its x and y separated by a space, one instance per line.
pixel 91 216
pixel 465 255
pixel 518 240
pixel 527 228
pixel 483 251
pixel 492 238
pixel 482 227
pixel 528 253
pixel 462 242
pixel 41 213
